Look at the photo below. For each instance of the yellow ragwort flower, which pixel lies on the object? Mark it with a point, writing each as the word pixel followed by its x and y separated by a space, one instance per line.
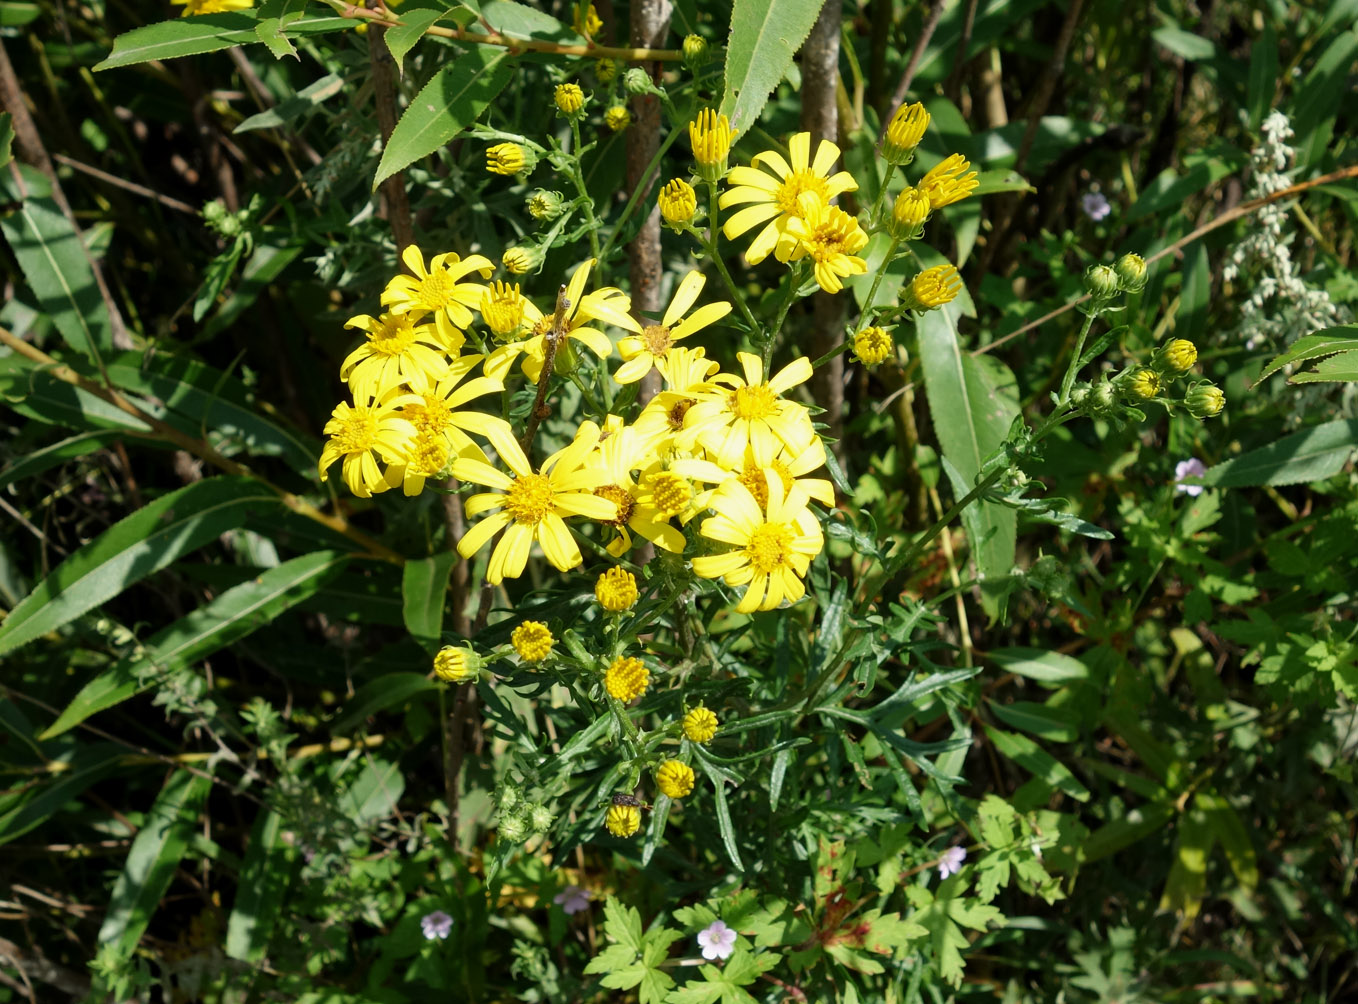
pixel 586 21
pixel 700 725
pixel 195 7
pixel 789 466
pixel 932 288
pixel 505 158
pixel 532 641
pixel 678 202
pixel 623 451
pixel 776 197
pixel 617 118
pixel 642 351
pixel 831 237
pixel 505 310
pixel 1143 384
pixel 530 504
pixel 872 346
pixel 1178 356
pixel 909 211
pixel 569 99
pixel 734 413
pixel 456 665
pixel 616 590
pixel 439 289
pixel 674 778
pixel 904 133
pixel 605 70
pixel 363 433
pixel 710 135
pixel 396 351
pixel 517 261
pixel 623 820
pixel 946 181
pixel 773 544
pixel 626 679
pixel 670 494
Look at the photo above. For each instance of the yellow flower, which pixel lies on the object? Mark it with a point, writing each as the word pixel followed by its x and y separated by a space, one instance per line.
pixel 456 665
pixel 700 725
pixel 505 158
pixel 605 70
pixel 710 135
pixel 396 352
pixel 674 778
pixel 569 99
pixel 669 493
pixel 616 590
pixel 831 237
pixel 774 544
pixel 678 202
pixel 789 466
pixel 737 413
pixel 641 352
pixel 504 310
pixel 517 261
pixel 362 433
pixel 617 118
pixel 946 183
pixel 195 7
pixel 439 290
pixel 685 372
pixel 532 641
pixel 932 288
pixel 872 346
pixel 530 505
pixel 910 210
pixel 905 132
pixel 616 458
pixel 776 196
pixel 439 425
pixel 626 679
pixel 586 20
pixel 1144 384
pixel 623 820
pixel 1178 356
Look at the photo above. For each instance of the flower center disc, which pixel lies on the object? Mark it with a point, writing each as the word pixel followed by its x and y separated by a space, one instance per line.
pixel 657 339
pixel 359 432
pixel 794 185
pixel 769 547
pixel 428 456
pixel 529 498
pixel 671 493
pixel 435 290
pixel 753 479
pixel 620 497
pixel 754 402
pixel 394 336
pixel 676 414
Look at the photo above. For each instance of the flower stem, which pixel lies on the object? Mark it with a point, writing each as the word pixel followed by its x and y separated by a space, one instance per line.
pixel 710 246
pixel 586 203
pixel 877 279
pixel 1069 379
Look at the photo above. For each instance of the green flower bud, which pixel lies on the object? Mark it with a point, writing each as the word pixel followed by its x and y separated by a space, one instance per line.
pixel 457 665
pixel 543 205
pixel 540 818
pixel 1204 400
pixel 1141 385
pixel 605 70
pixel 1176 357
pixel 695 52
pixel 1101 282
pixel 637 81
pixel 513 827
pixel 509 795
pixel 1131 273
pixel 1096 400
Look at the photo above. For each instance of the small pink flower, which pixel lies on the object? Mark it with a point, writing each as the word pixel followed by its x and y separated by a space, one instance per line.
pixel 1095 205
pixel 572 899
pixel 436 926
pixel 1190 468
pixel 717 941
pixel 950 861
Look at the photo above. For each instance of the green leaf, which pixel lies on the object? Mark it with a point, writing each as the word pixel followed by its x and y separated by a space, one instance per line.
pixel 6 138
pixel 233 615
pixel 88 766
pixel 1122 833
pixel 724 827
pixel 264 878
pixel 1342 368
pixel 1187 882
pixel 1317 99
pixel 1042 720
pixel 1038 762
pixel 765 35
pixel 1195 299
pixel 993 182
pixel 1263 80
pixel 1229 830
pixel 57 453
pixel 379 694
pixel 424 587
pixel 450 102
pixel 1170 189
pixel 151 863
pixel 1322 343
pixel 415 21
pixel 1184 43
pixel 191 36
pixel 912 690
pixel 270 31
pixel 973 405
pixel 32 391
pixel 374 793
pixel 132 549
pixel 58 269
pixel 1038 664
pixel 1310 455
pixel 299 104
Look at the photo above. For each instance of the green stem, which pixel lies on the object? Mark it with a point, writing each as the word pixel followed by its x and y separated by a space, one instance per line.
pixel 1069 379
pixel 877 279
pixel 795 279
pixel 881 194
pixel 710 246
pixel 837 350
pixel 586 203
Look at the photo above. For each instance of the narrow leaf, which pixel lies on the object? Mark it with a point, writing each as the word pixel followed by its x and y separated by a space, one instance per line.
pixel 1310 455
pixel 1322 343
pixel 1040 665
pixel 380 694
pixel 90 765
pixel 264 878
pixel 39 460
pixel 765 35
pixel 191 36
pixel 1038 762
pixel 424 587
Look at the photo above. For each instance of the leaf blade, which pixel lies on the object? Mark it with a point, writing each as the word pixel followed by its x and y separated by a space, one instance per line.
pixel 765 35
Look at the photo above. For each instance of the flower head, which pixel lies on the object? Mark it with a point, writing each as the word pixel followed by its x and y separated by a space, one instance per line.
pixel 1131 273
pixel 904 132
pixel 438 289
pixel 626 679
pixel 908 213
pixel 532 641
pixel 1143 384
pixel 772 545
pixel 711 136
pixel 617 118
pixel 517 261
pixel 572 899
pixel 775 196
pixel 363 433
pixel 678 202
pixel 872 346
pixel 950 861
pixel 587 21
pixel 605 70
pixel 505 158
pixel 735 413
pixel 1095 205
pixel 623 820
pixel 932 288
pixel 674 778
pixel 505 310
pixel 1190 468
pixel 700 725
pixel 831 237
pixel 616 589
pixel 569 99
pixel 457 665
pixel 195 7
pixel 530 505
pixel 1205 400
pixel 544 205
pixel 436 926
pixel 717 941
pixel 642 351
pixel 1178 356
pixel 694 48
pixel 395 351
pixel 947 181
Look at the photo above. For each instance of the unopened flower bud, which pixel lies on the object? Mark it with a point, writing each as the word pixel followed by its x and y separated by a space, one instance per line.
pixel 637 81
pixel 540 818
pixel 695 52
pixel 1205 400
pixel 1142 384
pixel 517 261
pixel 543 205
pixel 569 99
pixel 617 118
pixel 1097 400
pixel 509 796
pixel 711 137
pixel 872 346
pixel 513 827
pixel 605 70
pixel 508 158
pixel 457 665
pixel 1101 282
pixel 1131 273
pixel 908 214
pixel 678 202
pixel 931 288
pixel 1176 357
pixel 904 133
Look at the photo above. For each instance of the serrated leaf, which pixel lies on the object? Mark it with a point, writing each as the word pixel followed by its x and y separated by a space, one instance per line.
pixel 191 36
pixel 1342 368
pixel 458 93
pixel 765 35
pixel 1310 455
pixel 132 549
pixel 415 21
pixel 1322 343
